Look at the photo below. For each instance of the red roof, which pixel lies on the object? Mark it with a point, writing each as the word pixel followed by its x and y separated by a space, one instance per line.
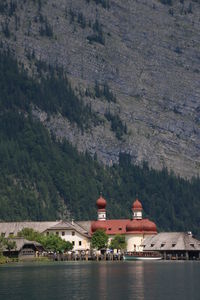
pixel 125 226
pixel 137 205
pixel 143 225
pixel 101 203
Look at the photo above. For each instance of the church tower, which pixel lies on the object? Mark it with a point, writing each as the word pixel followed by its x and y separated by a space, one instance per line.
pixel 137 210
pixel 101 204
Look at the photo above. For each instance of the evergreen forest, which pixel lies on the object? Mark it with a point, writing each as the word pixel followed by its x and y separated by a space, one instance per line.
pixel 40 175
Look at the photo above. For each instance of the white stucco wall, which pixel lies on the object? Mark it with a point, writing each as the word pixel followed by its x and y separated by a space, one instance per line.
pixel 102 215
pixel 75 239
pixel 133 241
pixel 136 240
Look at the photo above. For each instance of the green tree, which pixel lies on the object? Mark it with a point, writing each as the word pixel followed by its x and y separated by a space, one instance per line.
pixel 99 239
pixel 6 244
pixel 54 243
pixel 68 246
pixel 50 242
pixel 118 242
pixel 10 245
pixel 31 235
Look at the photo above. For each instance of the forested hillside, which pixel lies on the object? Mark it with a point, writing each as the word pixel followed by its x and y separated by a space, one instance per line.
pixel 43 178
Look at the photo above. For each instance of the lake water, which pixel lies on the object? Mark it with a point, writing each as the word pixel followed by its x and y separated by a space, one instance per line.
pixel 104 280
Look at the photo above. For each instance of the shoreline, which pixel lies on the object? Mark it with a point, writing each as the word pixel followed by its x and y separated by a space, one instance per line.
pixel 8 261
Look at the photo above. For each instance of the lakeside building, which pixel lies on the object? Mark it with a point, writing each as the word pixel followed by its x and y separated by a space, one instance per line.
pixel 173 245
pixel 135 230
pixel 140 233
pixel 23 249
pixel 69 231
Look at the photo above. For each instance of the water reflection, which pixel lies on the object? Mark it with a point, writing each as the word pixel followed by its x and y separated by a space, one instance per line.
pixel 136 281
pixel 103 280
pixel 119 280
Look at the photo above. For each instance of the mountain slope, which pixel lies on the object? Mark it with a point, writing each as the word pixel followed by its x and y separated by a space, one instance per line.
pixel 44 179
pixel 147 55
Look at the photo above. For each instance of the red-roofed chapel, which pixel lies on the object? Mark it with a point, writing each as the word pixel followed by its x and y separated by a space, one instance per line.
pixel 135 230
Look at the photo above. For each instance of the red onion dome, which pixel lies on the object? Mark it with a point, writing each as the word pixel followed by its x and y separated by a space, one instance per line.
pixel 101 203
pixel 98 225
pixel 134 225
pixel 149 226
pixel 143 225
pixel 137 205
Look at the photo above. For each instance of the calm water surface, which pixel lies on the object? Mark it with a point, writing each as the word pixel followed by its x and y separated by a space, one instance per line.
pixel 104 280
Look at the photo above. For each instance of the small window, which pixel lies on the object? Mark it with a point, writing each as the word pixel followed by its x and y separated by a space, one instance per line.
pixel 73 232
pixel 192 245
pixel 57 232
pixel 162 245
pixel 80 243
pixel 63 233
pixel 73 243
pixel 152 245
pixel 3 234
pixel 11 233
pixel 173 245
pixel 120 228
pixel 109 228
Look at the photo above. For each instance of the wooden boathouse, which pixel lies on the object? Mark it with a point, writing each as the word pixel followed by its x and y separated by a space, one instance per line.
pixel 174 245
pixel 23 249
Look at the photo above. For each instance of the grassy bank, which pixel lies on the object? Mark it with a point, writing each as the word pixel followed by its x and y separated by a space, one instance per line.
pixel 3 259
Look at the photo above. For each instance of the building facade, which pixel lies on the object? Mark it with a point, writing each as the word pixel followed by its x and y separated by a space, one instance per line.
pixel 72 232
pixel 134 230
pixel 24 249
pixel 69 231
pixel 173 245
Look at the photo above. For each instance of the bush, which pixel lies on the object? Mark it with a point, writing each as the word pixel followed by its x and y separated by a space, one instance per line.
pixel 99 239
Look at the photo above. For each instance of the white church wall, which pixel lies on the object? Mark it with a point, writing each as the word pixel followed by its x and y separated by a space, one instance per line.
pixel 134 242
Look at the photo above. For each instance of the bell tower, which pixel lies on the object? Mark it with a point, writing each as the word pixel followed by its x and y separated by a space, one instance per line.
pixel 101 205
pixel 137 210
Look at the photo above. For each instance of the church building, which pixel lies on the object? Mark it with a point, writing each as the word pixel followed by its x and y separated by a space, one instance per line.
pixel 135 230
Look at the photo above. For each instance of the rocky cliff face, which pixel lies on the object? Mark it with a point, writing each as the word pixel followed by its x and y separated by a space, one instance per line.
pixel 147 53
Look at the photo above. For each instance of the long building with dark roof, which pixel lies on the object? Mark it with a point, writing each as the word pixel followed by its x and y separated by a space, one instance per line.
pixel 173 245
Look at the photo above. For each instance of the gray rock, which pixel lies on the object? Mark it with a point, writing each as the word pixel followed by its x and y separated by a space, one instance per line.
pixel 150 60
